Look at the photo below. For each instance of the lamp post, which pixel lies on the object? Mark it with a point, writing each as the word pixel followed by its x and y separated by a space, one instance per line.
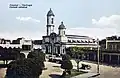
pixel 98 54
pixel 32 45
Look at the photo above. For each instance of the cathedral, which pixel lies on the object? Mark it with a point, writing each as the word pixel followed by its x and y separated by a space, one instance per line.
pixel 54 42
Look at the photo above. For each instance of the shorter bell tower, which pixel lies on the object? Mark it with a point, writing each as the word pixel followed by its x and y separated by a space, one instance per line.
pixel 62 29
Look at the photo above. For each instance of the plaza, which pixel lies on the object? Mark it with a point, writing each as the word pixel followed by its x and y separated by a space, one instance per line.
pixel 53 68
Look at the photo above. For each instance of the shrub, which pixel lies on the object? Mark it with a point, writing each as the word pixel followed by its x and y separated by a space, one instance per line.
pixel 65 57
pixel 31 55
pixel 67 65
pixel 22 56
pixel 39 55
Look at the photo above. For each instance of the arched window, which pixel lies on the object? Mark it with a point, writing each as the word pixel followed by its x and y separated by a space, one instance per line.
pixel 47 20
pixel 64 32
pixel 52 21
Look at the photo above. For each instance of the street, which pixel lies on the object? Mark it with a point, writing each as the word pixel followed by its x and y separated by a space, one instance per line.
pixel 105 71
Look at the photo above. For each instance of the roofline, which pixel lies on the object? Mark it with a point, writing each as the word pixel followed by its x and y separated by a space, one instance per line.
pixel 76 36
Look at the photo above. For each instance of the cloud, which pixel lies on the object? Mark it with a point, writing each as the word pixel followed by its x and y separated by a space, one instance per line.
pixel 110 21
pixel 27 19
pixel 104 27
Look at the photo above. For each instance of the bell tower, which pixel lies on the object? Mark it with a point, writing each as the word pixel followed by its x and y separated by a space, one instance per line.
pixel 50 22
pixel 62 29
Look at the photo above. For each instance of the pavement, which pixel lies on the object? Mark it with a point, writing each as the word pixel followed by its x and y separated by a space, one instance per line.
pixel 53 69
pixel 105 71
pixel 87 75
pixel 2 72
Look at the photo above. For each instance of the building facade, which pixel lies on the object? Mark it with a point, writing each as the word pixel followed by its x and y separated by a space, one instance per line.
pixel 56 43
pixel 113 43
pixel 109 51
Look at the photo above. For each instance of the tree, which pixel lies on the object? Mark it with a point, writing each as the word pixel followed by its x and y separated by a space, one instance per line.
pixel 27 68
pixel 66 64
pixel 78 54
pixel 31 55
pixel 30 67
pixel 37 54
pixel 66 57
pixel 22 56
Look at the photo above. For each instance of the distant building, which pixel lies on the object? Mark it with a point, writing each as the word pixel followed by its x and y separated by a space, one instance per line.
pixel 4 41
pixel 113 43
pixel 109 51
pixel 56 43
pixel 37 44
pixel 110 43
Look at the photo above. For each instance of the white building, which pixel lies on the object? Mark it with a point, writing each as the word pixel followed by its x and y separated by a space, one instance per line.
pixel 57 42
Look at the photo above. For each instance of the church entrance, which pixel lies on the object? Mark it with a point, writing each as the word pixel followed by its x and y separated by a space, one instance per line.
pixel 58 49
pixel 46 49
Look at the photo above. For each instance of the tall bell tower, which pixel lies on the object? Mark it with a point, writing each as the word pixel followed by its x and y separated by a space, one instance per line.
pixel 50 22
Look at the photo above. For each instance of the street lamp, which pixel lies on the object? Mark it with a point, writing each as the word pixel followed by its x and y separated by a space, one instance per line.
pixel 98 54
pixel 32 45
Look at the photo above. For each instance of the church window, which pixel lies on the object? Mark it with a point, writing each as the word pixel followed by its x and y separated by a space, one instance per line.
pixel 52 21
pixel 63 51
pixel 47 21
pixel 64 32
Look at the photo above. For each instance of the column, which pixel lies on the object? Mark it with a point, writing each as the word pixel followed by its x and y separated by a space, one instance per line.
pixel 53 49
pixel 45 49
pixel 61 50
pixel 102 57
pixel 94 57
pixel 109 58
pixel 56 51
pixel 87 56
pixel 49 49
pixel 118 60
pixel 106 44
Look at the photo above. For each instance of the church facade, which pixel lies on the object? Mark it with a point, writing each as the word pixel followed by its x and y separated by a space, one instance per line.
pixel 58 42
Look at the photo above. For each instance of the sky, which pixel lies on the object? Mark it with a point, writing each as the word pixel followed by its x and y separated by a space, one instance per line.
pixel 93 18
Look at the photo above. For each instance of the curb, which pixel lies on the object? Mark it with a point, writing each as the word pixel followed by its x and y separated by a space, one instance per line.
pixel 94 75
pixel 78 76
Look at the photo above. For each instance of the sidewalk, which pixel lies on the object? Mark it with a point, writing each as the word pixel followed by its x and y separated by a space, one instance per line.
pixel 87 75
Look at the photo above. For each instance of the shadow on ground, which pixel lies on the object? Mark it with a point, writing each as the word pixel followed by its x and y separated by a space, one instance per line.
pixel 55 76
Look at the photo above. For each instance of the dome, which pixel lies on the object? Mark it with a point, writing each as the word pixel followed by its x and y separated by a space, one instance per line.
pixel 50 13
pixel 62 26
